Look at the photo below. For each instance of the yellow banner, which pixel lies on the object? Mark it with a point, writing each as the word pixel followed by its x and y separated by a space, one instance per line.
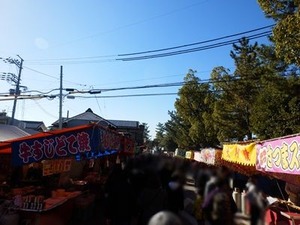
pixel 239 153
pixel 189 155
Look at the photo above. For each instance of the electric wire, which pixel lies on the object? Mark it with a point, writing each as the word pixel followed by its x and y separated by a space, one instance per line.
pixel 197 43
pixel 45 74
pixel 145 54
pixel 45 111
pixel 163 85
pixel 208 81
pixel 212 46
pixel 51 76
pixel 132 24
pixel 129 95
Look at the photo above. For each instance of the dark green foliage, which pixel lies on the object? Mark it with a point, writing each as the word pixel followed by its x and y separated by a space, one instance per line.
pixel 260 97
pixel 286 31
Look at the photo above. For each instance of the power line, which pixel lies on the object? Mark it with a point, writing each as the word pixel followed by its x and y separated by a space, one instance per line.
pixel 123 57
pixel 208 81
pixel 123 96
pixel 132 24
pixel 44 110
pixel 197 43
pixel 45 74
pixel 162 85
pixel 197 49
pixel 144 86
pixel 51 76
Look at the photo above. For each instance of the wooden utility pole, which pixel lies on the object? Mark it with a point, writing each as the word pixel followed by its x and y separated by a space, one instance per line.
pixel 17 92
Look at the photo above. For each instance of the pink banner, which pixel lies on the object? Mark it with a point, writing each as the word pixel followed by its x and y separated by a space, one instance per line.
pixel 279 155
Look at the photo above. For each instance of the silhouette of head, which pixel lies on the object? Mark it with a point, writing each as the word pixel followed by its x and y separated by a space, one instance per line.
pixel 165 218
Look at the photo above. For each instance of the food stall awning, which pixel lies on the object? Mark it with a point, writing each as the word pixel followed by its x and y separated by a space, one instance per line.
pixel 6 146
pixel 279 155
pixel 189 155
pixel 279 158
pixel 240 157
pixel 180 153
pixel 91 140
pixel 244 154
pixel 207 156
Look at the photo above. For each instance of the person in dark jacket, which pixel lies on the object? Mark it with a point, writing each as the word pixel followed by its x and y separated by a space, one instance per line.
pixel 152 199
pixel 175 193
pixel 219 207
pixel 119 196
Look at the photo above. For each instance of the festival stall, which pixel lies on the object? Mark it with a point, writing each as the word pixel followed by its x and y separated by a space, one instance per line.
pixel 189 155
pixel 209 156
pixel 180 153
pixel 52 197
pixel 240 157
pixel 280 158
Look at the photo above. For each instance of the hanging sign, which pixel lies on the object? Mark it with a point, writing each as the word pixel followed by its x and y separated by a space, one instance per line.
pixel 279 155
pixel 55 146
pixel 110 141
pixel 89 142
pixel 180 153
pixel 208 155
pixel 197 156
pixel 240 153
pixel 56 166
pixel 189 155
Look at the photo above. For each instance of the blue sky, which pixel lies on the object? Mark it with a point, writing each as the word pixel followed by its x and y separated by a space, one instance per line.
pixel 43 30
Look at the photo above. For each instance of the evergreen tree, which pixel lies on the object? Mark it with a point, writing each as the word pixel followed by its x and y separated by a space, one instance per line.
pixel 286 31
pixel 276 111
pixel 160 133
pixel 236 92
pixel 178 130
pixel 192 106
pixel 165 138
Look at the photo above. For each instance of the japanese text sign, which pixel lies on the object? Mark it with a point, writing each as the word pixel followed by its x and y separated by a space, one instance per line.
pixel 279 156
pixel 90 140
pixel 56 166
pixel 55 146
pixel 240 153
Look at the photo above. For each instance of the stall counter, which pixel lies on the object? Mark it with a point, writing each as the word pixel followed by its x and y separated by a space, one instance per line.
pixel 279 214
pixel 57 210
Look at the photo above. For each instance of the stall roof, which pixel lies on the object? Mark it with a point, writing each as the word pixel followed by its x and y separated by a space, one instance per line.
pixel 5 146
pixel 9 132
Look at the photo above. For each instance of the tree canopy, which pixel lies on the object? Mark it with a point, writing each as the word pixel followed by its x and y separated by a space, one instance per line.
pixel 286 31
pixel 260 97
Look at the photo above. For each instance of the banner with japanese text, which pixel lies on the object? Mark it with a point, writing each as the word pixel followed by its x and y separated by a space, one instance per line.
pixel 92 141
pixel 56 166
pixel 240 153
pixel 279 155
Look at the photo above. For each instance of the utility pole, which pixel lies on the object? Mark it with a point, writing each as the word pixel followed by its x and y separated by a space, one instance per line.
pixel 60 97
pixel 17 88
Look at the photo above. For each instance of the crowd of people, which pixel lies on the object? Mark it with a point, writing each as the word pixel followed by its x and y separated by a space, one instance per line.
pixel 149 189
pixel 143 187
